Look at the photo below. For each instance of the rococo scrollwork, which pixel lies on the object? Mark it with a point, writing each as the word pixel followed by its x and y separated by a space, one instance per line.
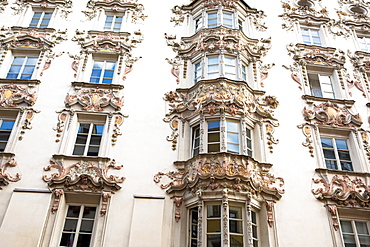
pixel 215 172
pixel 64 6
pixel 83 176
pixel 5 177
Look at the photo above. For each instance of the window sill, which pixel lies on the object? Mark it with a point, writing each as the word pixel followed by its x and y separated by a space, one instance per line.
pixel 77 85
pixel 41 30
pixel 99 159
pixel 311 99
pixel 28 82
pixel 326 171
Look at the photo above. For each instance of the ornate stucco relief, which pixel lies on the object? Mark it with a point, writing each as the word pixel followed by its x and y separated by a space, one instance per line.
pixel 132 7
pixel 84 177
pixel 361 62
pixel 3 3
pixel 354 13
pixel 222 172
pixel 5 177
pixel 221 96
pixel 65 6
pixel 100 42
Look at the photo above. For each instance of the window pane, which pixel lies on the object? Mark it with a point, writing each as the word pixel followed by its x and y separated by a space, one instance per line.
pixel 67 239
pixel 235 213
pixel 341 144
pixel 346 166
pixel 236 241
pixel 31 61
pixel 214 137
pixel 2 146
pixel 326 143
pixel 233 137
pixel 73 211
pixel 70 225
pixel 235 226
pixel 232 126
pixel 234 148
pixel 213 126
pixel 84 128
pixel 346 226
pixel 213 147
pixel 93 151
pixel 364 241
pixel 361 228
pixel 7 125
pixel 329 154
pixel 254 231
pixel 87 226
pixel 78 150
pixel 98 129
pixel 81 139
pixel 349 241
pixel 84 240
pixel 96 73
pixel 95 140
pixel 344 155
pixel 214 225
pixel 214 240
pixel 331 164
pixel 89 212
pixel 213 211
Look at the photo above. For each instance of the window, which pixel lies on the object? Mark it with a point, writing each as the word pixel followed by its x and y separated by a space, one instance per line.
pixel 230 67
pixel 196 140
pixel 311 36
pixel 22 67
pixel 240 25
pixel 88 139
pixel 321 85
pixel 6 127
pixel 336 154
pixel 254 228
pixel 232 136
pixel 364 43
pixel 197 71
pixel 198 23
pixel 210 138
pixel 226 20
pixel 244 72
pixel 41 19
pixel 213 68
pixel 236 226
pixel 355 233
pixel 213 225
pixel 193 227
pixel 113 23
pixel 102 72
pixel 78 226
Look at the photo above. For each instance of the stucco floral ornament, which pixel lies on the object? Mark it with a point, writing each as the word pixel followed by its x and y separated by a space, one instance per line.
pixel 12 95
pixel 94 99
pixel 5 177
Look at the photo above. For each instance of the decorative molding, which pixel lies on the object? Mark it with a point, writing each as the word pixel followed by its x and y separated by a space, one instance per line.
pixel 295 70
pixel 175 71
pixel 270 138
pixel 105 196
pixel 354 14
pixel 64 6
pixel 127 6
pixel 58 193
pixel 365 141
pixel 49 58
pixel 219 38
pixel 270 212
pixel 12 95
pixel 263 69
pixel 219 171
pixel 62 118
pixel 178 201
pixel 332 114
pixel 361 63
pixel 179 15
pixel 5 177
pixel 3 3
pixel 83 176
pixel 225 216
pixel 94 99
pixel 31 38
pixel 334 215
pixel 344 188
pixel 29 114
pixel 220 95
pixel 307 131
pixel 317 55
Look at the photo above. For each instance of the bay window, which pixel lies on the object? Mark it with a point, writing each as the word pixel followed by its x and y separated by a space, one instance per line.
pixel 210 138
pixel 113 23
pixel 220 18
pixel 218 66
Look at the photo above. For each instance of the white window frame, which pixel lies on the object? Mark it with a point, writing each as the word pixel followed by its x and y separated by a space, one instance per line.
pixel 114 16
pixel 79 221
pixel 89 136
pixel 245 143
pixel 310 35
pixel 11 115
pixel 220 19
pixel 42 18
pixel 324 87
pixel 363 43
pixel 26 56
pixel 355 233
pixel 101 78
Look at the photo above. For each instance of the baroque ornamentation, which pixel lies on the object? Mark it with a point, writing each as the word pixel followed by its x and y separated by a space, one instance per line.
pixel 354 13
pixel 26 37
pixel 264 68
pixel 64 6
pixel 270 212
pixel 5 177
pixel 332 114
pixel 295 70
pixel 221 95
pixel 223 170
pixel 129 6
pixel 83 176
pixel 307 131
pixel 12 96
pixel 219 38
pixel 175 71
pixel 118 120
pixel 29 114
pixel 365 140
pixel 3 3
pixel 178 201
pixel 334 215
pixel 58 193
pixel 342 189
pixel 361 63
pixel 62 119
pixel 94 99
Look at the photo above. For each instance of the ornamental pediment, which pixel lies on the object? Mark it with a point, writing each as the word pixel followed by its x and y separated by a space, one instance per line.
pixel 83 176
pixel 215 172
pixel 15 92
pixel 136 9
pixel 31 38
pixel 360 60
pixel 354 13
pixel 317 55
pixel 64 5
pixel 332 114
pixel 94 97
pixel 343 188
pixel 219 38
pixel 107 42
pixel 221 95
